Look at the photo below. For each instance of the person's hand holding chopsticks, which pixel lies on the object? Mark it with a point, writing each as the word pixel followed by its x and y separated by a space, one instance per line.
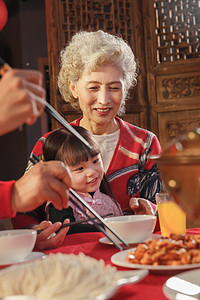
pixel 20 92
pixel 45 181
pixel 51 235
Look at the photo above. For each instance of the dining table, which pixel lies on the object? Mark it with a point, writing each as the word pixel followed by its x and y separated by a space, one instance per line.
pixel 150 287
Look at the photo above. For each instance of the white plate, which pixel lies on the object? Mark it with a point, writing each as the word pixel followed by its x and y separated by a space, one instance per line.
pixel 29 257
pixel 127 277
pixel 119 259
pixel 185 285
pixel 106 241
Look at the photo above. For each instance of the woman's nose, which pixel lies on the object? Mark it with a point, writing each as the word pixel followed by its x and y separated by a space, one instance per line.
pixel 103 96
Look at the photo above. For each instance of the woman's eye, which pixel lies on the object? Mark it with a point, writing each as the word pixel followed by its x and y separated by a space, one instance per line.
pixel 115 88
pixel 93 88
pixel 95 161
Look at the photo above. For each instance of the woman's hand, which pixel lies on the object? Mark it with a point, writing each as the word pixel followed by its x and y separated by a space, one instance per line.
pixel 48 239
pixel 142 206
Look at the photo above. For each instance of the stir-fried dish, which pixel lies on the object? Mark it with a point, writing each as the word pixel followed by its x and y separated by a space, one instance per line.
pixel 175 250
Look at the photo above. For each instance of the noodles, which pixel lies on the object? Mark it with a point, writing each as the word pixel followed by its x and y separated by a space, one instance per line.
pixel 59 277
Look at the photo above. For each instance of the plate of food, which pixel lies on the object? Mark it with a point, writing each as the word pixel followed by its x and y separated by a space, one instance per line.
pixel 66 276
pixel 178 252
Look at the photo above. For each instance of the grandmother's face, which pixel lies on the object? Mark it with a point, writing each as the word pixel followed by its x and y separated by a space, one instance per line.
pixel 100 94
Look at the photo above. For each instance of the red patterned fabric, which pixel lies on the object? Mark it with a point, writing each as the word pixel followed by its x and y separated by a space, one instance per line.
pixel 5 199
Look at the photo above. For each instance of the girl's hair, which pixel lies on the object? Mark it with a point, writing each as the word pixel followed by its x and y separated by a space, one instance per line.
pixel 89 50
pixel 63 145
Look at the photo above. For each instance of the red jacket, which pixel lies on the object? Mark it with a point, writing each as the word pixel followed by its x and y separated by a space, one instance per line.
pixel 129 173
pixel 5 199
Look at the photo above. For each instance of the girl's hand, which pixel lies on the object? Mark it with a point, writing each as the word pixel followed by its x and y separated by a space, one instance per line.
pixel 48 239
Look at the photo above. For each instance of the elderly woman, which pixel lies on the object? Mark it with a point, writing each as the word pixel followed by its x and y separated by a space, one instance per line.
pixel 97 71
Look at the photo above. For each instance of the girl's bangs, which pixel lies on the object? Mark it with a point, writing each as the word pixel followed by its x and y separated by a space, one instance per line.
pixel 75 152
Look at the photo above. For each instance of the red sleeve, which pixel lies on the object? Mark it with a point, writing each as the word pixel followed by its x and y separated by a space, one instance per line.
pixel 5 199
pixel 24 221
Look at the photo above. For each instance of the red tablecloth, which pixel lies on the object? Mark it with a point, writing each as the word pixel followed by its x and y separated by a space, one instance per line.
pixel 88 243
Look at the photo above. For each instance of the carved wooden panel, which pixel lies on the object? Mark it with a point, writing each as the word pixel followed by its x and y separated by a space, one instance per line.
pixel 108 15
pixel 177 30
pixel 123 17
pixel 172 42
pixel 178 87
pixel 173 124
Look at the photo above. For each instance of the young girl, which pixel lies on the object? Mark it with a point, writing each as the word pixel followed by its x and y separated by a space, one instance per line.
pixel 87 177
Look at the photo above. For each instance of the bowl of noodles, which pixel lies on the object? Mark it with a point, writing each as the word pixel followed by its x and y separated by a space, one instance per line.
pixel 65 276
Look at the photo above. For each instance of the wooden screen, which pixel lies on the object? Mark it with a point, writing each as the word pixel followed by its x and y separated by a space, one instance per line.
pixel 172 42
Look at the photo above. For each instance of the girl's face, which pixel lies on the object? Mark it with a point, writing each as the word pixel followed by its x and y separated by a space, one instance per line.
pixel 100 94
pixel 87 175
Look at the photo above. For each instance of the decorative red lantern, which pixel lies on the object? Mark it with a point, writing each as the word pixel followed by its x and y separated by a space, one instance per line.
pixel 3 14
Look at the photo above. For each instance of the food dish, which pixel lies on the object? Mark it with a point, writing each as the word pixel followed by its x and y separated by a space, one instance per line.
pixel 30 257
pixel 131 228
pixel 106 241
pixel 184 284
pixel 174 250
pixel 119 259
pixel 31 279
pixel 16 244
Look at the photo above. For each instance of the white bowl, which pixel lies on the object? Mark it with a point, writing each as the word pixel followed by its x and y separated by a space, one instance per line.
pixel 16 244
pixel 132 228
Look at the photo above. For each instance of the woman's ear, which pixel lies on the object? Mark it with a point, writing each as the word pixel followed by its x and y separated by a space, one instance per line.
pixel 73 90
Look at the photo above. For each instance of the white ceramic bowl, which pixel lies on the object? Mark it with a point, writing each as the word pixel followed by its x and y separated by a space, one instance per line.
pixel 16 244
pixel 133 228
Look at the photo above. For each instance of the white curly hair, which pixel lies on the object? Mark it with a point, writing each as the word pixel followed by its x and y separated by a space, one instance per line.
pixel 89 50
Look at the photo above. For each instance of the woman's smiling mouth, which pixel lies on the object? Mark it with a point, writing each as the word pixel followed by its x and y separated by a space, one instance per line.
pixel 103 110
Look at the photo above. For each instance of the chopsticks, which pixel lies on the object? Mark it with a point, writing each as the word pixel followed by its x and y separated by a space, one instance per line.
pixel 51 111
pixel 73 196
pixel 4 67
pixel 75 223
